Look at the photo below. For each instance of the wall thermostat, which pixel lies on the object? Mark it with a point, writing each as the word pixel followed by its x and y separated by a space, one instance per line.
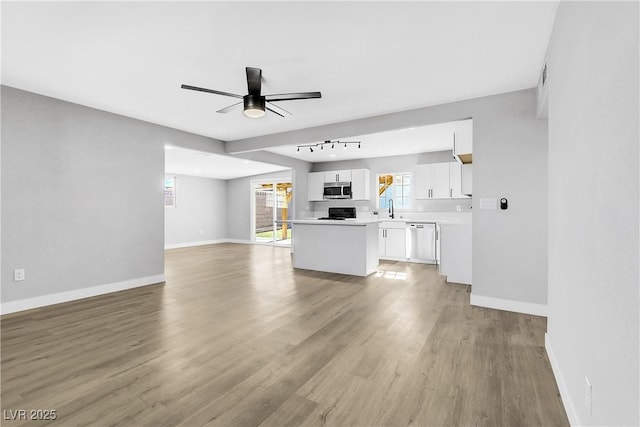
pixel 504 204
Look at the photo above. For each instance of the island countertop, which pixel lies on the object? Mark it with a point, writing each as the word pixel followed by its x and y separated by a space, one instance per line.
pixel 347 246
pixel 348 221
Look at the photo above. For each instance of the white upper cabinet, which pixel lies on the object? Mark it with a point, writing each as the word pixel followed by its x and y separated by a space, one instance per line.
pixel 315 186
pixel 361 184
pixel 431 181
pixel 467 179
pixel 360 180
pixel 438 181
pixel 463 142
pixel 421 182
pixel 455 180
pixel 440 186
pixel 337 176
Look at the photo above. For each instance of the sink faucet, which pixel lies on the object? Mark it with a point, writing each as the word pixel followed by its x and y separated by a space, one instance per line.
pixel 391 214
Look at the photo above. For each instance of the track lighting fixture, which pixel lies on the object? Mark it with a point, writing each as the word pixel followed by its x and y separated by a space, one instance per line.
pixel 322 144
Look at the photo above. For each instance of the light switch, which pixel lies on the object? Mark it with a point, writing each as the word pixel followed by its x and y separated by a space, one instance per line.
pixel 488 203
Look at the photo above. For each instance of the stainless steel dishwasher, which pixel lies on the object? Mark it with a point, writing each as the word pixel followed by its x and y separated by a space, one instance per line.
pixel 421 242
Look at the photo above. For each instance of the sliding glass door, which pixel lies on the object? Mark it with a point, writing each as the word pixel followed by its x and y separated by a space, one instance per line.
pixel 272 206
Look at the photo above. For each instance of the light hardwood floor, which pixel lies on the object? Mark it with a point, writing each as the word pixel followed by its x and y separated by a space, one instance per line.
pixel 236 337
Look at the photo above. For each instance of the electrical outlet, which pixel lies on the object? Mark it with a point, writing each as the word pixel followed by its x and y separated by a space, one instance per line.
pixel 458 208
pixel 18 275
pixel 587 394
pixel 420 208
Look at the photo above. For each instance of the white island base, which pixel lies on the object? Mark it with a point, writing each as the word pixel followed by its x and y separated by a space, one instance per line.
pixel 346 247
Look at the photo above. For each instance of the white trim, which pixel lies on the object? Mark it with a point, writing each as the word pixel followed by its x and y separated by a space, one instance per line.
pixel 198 243
pixel 252 204
pixel 44 300
pixel 562 387
pixel 241 241
pixel 509 305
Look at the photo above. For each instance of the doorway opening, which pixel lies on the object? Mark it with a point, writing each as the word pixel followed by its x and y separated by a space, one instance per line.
pixel 272 209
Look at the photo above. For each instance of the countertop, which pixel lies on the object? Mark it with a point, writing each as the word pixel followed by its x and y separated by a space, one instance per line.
pixel 346 222
pixel 433 217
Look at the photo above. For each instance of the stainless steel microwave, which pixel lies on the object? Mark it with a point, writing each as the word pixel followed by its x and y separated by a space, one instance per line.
pixel 337 190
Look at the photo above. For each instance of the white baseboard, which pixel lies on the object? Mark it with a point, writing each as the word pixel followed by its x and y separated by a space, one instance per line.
pixel 244 242
pixel 44 300
pixel 562 387
pixel 509 305
pixel 212 242
pixel 198 243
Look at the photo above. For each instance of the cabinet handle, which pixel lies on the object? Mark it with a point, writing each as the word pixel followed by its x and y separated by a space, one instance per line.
pixel 454 145
pixel 451 193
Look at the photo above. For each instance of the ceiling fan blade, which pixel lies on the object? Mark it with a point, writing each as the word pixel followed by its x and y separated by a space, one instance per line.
pixel 230 107
pixel 278 108
pixel 254 80
pixel 292 96
pixel 217 92
pixel 273 111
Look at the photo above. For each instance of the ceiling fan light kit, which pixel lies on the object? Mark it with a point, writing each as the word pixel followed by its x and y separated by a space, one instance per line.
pixel 255 104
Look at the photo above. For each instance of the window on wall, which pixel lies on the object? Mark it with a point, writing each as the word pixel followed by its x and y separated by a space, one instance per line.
pixel 169 191
pixel 396 187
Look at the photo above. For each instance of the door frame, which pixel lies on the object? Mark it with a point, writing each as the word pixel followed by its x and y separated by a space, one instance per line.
pixel 252 205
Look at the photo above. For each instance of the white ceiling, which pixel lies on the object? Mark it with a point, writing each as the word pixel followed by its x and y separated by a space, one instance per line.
pixel 367 58
pixel 394 143
pixel 195 163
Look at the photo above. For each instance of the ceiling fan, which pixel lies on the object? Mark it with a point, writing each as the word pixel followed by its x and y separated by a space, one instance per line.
pixel 254 102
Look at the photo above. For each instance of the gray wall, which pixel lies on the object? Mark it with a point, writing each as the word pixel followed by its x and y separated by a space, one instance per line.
pixel 379 165
pixel 82 196
pixel 509 160
pixel 239 193
pixel 200 213
pixel 594 209
pixel 300 169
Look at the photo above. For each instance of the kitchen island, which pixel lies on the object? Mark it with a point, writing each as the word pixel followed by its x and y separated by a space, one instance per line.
pixel 348 247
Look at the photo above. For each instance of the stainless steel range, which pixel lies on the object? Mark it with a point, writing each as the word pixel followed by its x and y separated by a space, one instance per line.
pixel 340 213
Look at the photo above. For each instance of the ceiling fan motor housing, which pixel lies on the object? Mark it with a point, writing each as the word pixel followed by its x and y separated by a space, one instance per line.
pixel 254 105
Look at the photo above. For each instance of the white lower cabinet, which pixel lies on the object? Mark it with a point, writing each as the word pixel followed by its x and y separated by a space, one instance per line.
pixel 455 252
pixel 393 242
